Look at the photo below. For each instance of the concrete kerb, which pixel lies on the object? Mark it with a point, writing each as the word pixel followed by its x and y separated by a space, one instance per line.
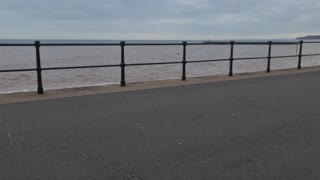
pixel 84 91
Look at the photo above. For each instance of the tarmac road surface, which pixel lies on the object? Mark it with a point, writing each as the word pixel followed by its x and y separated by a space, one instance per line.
pixel 260 128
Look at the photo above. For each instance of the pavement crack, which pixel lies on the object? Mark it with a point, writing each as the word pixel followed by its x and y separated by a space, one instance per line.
pixel 10 134
pixel 9 130
pixel 117 169
pixel 113 167
pixel 237 165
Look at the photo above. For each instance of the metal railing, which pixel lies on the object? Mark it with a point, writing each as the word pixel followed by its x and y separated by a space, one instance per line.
pixel 184 61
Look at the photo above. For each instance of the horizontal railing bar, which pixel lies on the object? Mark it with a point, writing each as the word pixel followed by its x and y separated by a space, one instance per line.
pixel 158 44
pixel 80 44
pixel 143 64
pixel 311 55
pixel 274 57
pixel 79 67
pixel 208 60
pixel 311 42
pixel 17 70
pixel 250 58
pixel 211 43
pixel 251 43
pixel 113 44
pixel 2 44
pixel 153 44
pixel 284 43
pixel 159 63
pixel 245 43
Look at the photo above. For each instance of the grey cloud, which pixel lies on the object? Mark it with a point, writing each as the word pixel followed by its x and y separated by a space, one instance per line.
pixel 163 18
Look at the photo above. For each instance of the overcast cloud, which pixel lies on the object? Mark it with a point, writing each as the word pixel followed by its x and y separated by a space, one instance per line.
pixel 158 19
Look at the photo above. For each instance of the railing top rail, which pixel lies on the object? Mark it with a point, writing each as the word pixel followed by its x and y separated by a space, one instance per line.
pixel 80 44
pixel 210 43
pixel 164 44
pixel 15 44
pixel 154 44
pixel 311 42
pixel 245 43
pixel 285 43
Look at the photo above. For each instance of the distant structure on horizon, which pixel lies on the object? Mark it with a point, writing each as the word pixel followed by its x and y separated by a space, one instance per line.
pixel 310 37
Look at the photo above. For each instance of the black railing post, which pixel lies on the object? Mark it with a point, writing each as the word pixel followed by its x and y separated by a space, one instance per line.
pixel 123 65
pixel 269 56
pixel 184 61
pixel 300 54
pixel 39 69
pixel 231 59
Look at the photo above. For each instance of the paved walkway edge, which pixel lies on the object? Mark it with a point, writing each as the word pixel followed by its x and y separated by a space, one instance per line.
pixel 83 91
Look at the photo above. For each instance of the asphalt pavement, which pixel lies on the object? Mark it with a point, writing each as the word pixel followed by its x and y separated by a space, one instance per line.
pixel 259 128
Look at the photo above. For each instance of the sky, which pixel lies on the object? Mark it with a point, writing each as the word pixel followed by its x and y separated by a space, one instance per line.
pixel 158 19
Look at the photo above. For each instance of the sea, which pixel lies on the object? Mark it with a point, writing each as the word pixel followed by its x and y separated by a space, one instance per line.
pixel 57 56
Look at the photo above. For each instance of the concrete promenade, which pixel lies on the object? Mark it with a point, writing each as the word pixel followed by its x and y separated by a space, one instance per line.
pixel 259 128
